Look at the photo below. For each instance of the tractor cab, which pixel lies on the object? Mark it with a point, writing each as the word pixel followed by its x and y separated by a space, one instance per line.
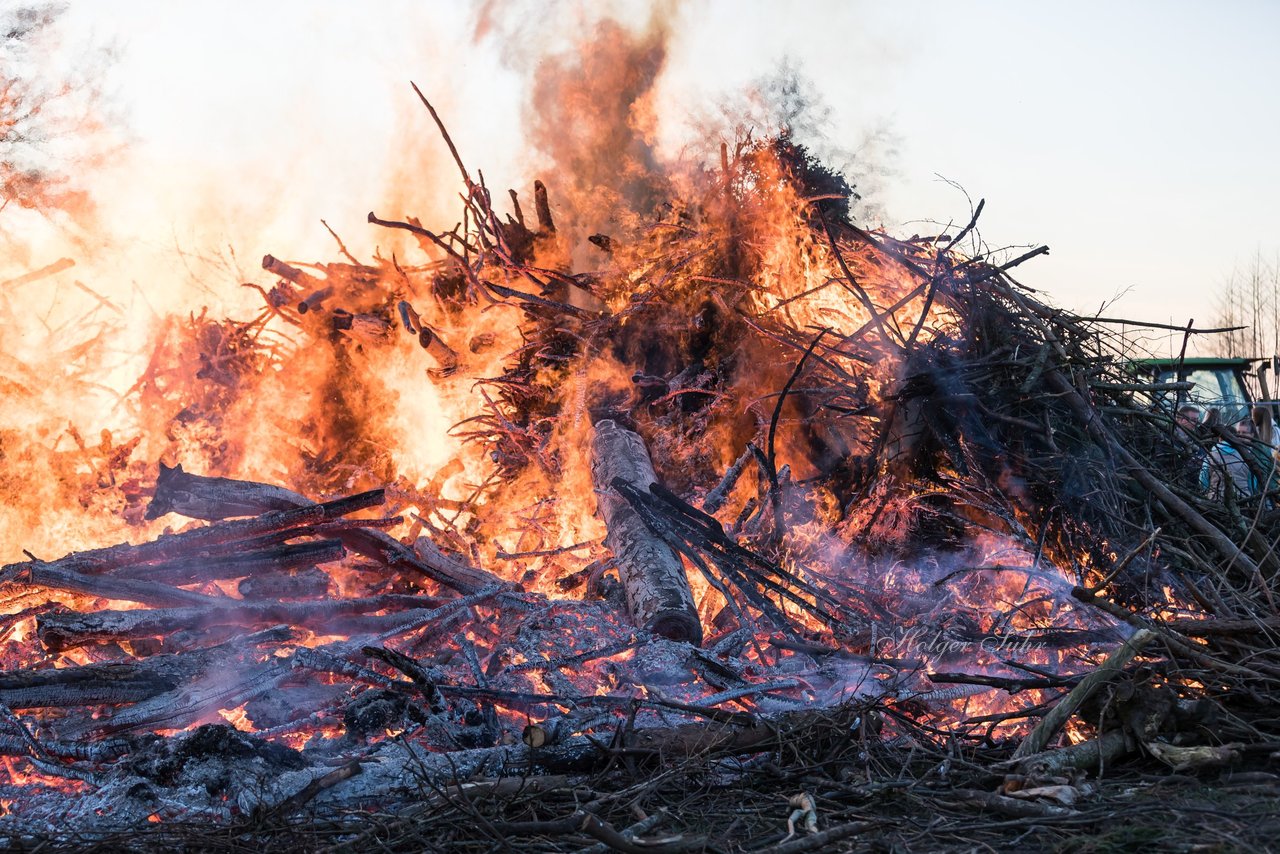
pixel 1226 390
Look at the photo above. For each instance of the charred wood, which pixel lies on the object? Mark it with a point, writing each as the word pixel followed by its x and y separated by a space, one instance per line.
pixel 105 587
pixel 214 498
pixel 69 629
pixel 92 683
pixel 425 560
pixel 308 583
pixel 123 682
pixel 276 560
pixel 102 750
pixel 542 207
pixel 189 543
pixel 716 497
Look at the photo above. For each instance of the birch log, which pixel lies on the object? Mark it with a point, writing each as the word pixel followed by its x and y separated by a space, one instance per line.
pixel 657 589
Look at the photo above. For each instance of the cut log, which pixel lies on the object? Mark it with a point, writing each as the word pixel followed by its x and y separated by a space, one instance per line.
pixel 657 588
pixel 445 356
pixel 314 300
pixel 290 273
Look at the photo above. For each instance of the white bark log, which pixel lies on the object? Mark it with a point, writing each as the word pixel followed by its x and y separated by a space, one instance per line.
pixel 657 588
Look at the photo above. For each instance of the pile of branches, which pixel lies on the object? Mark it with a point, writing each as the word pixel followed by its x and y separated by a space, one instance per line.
pixel 1005 413
pixel 1042 413
pixel 916 395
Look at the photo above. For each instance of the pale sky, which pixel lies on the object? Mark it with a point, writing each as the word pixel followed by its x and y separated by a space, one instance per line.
pixel 1138 140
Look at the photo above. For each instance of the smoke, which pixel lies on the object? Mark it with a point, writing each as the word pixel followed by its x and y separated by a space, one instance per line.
pixel 613 129
pixel 591 119
pixel 592 115
pixel 786 103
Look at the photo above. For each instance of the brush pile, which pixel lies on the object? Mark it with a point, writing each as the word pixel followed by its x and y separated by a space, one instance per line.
pixel 739 503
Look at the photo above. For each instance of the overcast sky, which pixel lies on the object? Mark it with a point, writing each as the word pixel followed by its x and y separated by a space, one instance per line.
pixel 1138 140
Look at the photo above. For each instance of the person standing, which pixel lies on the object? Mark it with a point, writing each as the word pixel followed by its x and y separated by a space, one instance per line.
pixel 1260 454
pixel 1226 470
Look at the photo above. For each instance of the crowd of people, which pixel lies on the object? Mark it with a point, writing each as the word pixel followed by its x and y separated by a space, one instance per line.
pixel 1239 460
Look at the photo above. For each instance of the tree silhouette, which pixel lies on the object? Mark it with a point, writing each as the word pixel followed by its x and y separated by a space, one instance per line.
pixel 47 116
pixel 1249 298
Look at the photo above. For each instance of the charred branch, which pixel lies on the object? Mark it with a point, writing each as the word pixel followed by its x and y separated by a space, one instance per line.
pixel 292 274
pixel 68 629
pixel 189 543
pixel 213 498
pixel 277 559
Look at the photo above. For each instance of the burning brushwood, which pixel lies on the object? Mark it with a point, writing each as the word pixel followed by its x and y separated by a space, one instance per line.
pixel 658 594
pixel 936 466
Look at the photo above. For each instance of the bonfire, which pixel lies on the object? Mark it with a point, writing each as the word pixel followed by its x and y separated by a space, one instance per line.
pixel 714 522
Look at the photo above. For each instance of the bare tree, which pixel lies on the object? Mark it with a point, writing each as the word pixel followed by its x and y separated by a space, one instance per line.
pixel 1249 298
pixel 50 117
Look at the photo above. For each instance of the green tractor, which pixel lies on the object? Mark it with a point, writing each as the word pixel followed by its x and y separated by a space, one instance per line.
pixel 1226 390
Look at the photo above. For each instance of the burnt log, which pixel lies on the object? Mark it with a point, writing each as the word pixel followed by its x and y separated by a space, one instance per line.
pixel 68 629
pixel 215 498
pixel 426 560
pixel 91 684
pixel 657 589
pixel 120 682
pixel 542 207
pixel 192 543
pixel 55 577
pixel 198 701
pixel 278 559
pixel 309 583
